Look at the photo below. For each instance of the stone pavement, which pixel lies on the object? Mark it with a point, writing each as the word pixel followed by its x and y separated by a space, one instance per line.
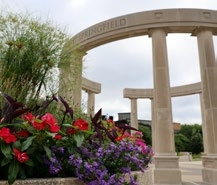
pixel 191 172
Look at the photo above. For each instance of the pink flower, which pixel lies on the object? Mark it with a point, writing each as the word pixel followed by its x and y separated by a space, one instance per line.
pixel 141 143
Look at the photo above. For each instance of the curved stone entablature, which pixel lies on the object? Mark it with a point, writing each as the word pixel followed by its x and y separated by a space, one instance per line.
pixel 88 85
pixel 138 24
pixel 183 90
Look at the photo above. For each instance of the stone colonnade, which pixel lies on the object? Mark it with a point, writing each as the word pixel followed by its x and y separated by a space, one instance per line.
pixel 91 88
pixel 136 94
pixel 158 24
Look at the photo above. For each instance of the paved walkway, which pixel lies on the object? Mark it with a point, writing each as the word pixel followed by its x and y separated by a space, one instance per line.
pixel 191 172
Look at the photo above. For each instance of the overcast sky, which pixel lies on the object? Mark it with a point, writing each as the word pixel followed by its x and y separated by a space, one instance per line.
pixel 126 63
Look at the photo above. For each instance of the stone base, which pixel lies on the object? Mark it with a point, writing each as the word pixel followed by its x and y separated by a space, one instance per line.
pixel 209 171
pixel 142 179
pixel 46 181
pixel 167 170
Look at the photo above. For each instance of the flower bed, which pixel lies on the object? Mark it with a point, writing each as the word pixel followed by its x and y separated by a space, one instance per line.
pixel 40 146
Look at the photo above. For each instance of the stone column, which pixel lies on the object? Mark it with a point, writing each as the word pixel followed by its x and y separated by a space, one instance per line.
pixel 71 75
pixel 166 161
pixel 133 115
pixel 208 69
pixel 153 129
pixel 91 103
pixel 204 127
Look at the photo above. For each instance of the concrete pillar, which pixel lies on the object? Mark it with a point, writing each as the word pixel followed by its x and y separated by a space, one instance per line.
pixel 133 115
pixel 208 69
pixel 166 161
pixel 204 128
pixel 153 129
pixel 91 103
pixel 71 76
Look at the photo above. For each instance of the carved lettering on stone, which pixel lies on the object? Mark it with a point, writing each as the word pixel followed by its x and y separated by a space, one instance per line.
pixel 101 28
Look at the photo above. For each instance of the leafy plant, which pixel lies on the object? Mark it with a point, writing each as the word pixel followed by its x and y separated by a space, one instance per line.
pixel 30 52
pixel 94 150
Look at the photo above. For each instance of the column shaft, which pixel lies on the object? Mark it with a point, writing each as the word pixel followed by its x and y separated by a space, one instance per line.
pixel 153 128
pixel 204 127
pixel 91 103
pixel 162 97
pixel 133 115
pixel 71 77
pixel 166 161
pixel 208 68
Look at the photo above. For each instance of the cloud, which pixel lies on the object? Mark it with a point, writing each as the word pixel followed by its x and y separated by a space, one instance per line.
pixel 187 109
pixel 78 3
pixel 128 62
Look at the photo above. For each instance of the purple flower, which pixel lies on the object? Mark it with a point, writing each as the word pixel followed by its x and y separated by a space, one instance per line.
pixel 54 166
pixel 105 162
pixel 125 170
pixel 61 150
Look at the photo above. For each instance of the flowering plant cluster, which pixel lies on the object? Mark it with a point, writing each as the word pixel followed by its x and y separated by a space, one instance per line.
pixel 39 145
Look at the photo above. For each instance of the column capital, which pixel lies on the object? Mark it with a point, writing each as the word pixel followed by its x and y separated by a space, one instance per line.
pixel 198 30
pixel 152 30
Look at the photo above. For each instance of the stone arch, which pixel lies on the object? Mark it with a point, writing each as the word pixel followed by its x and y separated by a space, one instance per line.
pixel 157 24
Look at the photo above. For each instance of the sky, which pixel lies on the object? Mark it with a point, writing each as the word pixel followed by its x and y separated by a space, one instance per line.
pixel 126 63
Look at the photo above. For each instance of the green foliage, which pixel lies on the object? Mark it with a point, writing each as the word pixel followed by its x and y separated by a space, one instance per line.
pixel 30 51
pixel 38 146
pixel 196 157
pixel 196 141
pixel 186 130
pixel 181 142
pixel 189 139
pixel 146 130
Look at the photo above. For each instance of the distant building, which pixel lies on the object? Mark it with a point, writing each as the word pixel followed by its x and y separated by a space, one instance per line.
pixel 125 118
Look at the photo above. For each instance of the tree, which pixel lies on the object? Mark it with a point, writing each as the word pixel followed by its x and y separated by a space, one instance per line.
pixel 196 141
pixel 193 133
pixel 181 142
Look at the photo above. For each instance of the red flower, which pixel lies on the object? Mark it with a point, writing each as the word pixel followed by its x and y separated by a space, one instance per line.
pixel 22 157
pixel 81 124
pixel 58 137
pixel 111 122
pixel 71 131
pixel 38 124
pixel 51 121
pixel 7 136
pixel 54 128
pixel 123 136
pixel 28 117
pixel 23 133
